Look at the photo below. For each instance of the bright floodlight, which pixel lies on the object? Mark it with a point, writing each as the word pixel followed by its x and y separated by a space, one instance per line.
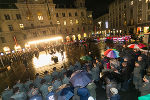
pixel 45 40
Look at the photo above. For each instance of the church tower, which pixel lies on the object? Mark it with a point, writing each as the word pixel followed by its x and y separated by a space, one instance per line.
pixel 79 3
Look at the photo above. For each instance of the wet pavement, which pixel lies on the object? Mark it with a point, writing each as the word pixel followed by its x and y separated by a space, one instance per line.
pixel 44 62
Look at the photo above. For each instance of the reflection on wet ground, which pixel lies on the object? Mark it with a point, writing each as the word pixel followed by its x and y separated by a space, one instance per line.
pixel 44 62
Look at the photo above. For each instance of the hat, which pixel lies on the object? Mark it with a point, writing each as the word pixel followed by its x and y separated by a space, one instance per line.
pixel 90 98
pixel 114 91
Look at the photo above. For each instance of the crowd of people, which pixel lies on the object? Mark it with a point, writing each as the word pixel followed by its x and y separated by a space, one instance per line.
pixel 115 75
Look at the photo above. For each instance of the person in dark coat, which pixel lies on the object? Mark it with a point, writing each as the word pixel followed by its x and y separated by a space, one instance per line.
pixel 125 76
pixel 44 89
pixel 56 83
pixel 47 77
pixel 83 93
pixel 37 80
pixel 61 73
pixel 145 89
pixel 55 73
pixel 92 89
pixel 109 84
pixel 7 93
pixel 19 95
pixel 142 65
pixel 137 77
pixel 21 86
pixel 33 91
pixel 27 84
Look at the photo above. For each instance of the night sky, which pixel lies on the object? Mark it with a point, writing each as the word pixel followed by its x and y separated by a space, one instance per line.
pixel 99 7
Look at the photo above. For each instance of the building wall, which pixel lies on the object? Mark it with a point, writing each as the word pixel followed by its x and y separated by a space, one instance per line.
pixel 127 15
pixel 100 25
pixel 39 20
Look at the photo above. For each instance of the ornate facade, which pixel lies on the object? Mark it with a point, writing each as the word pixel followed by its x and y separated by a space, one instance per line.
pixel 37 19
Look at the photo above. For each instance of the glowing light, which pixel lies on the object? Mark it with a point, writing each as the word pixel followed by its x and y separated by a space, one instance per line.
pixel 79 36
pixel 46 59
pixel 73 37
pixel 85 35
pixel 2 54
pixel 6 49
pixel 27 46
pixel 68 38
pixel 18 48
pixel 45 40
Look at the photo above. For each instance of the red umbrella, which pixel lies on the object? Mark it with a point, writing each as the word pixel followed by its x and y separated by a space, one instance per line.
pixel 142 45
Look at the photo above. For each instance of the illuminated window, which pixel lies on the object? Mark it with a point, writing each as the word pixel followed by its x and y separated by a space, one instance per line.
pixel 77 22
pixel 71 22
pixel 131 2
pixel 65 23
pixel 90 16
pixel 40 17
pixel 21 25
pixel 58 22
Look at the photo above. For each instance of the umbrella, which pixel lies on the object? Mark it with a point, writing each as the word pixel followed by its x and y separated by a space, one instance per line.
pixel 107 51
pixel 37 97
pixel 80 78
pixel 111 53
pixel 50 96
pixel 134 46
pixel 64 92
pixel 142 45
pixel 145 49
pixel 86 58
pixel 146 97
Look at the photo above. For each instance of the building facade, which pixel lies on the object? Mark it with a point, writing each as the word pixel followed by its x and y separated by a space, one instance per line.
pixel 37 19
pixel 129 16
pixel 101 25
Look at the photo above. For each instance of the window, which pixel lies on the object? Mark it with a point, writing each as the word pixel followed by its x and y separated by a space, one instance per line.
pixel 58 22
pixel 149 5
pixel 18 16
pixel 32 25
pixel 65 23
pixel 10 28
pixel 0 29
pixel 82 14
pixel 148 17
pixel 70 15
pixel 131 3
pixel 3 40
pixel 21 25
pixel 77 22
pixel 71 22
pixel 7 17
pixel 63 14
pixel 78 29
pixel 72 29
pixel 40 17
pixel 76 14
pixel 57 15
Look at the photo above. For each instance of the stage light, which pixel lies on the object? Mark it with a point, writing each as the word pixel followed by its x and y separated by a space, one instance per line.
pixel 45 40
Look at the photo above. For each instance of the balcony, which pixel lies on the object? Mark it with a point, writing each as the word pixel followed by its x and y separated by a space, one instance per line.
pixel 35 27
